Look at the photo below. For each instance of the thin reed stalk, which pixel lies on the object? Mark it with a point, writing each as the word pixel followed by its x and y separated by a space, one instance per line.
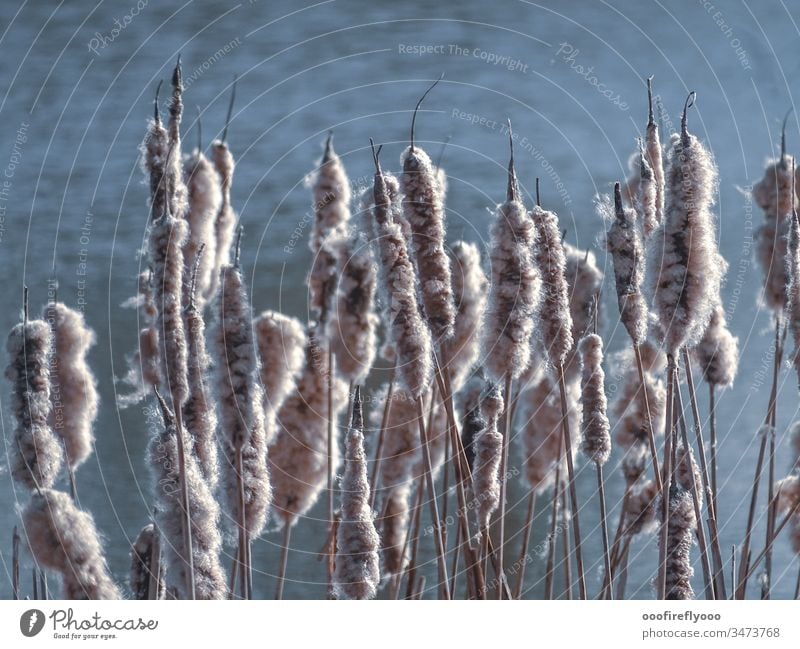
pixel 522 562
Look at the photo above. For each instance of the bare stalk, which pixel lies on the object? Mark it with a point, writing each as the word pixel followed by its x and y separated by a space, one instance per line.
pixel 503 470
pixel 522 562
pixel 666 478
pixel 601 494
pixel 287 535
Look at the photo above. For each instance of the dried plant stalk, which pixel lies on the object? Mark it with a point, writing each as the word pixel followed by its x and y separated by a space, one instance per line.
pixel 65 539
pixel 682 523
pixel 717 353
pixel 596 443
pixel 488 446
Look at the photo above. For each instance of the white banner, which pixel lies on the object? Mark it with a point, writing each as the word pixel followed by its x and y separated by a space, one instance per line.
pixel 386 625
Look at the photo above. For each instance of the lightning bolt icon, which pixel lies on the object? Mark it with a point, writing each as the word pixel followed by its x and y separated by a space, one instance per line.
pixel 32 620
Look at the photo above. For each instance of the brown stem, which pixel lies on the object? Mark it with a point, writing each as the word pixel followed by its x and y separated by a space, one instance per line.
pixel 412 536
pixel 387 407
pixel 765 552
pixel 287 535
pixel 432 500
pixel 241 555
pixel 712 426
pixel 601 494
pixel 522 562
pixel 666 478
pixel 651 437
pixel 15 563
pixel 622 579
pixel 716 551
pixel 331 547
pixel 573 494
pixel 566 548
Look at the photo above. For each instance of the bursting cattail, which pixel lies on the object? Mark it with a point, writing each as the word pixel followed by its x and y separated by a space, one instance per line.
pixel 787 492
pixel 225 222
pixel 144 564
pixel 687 269
pixel 73 387
pixel 205 201
pixel 634 463
pixel 717 353
pixel 423 206
pixel 167 238
pixel 281 344
pixel 488 445
pixel 36 452
pixel 542 435
pixel 554 316
pixel 330 191
pixel 176 188
pixel 353 322
pixel 623 241
pixel 65 539
pixel 775 194
pixel 155 151
pixel 199 413
pixel 596 443
pixel 680 532
pixel 470 293
pixel 647 197
pixel 240 404
pixel 163 455
pixel 640 508
pixel 472 422
pixel 357 572
pixel 585 282
pixel 628 408
pixel 687 473
pixel 298 455
pixel 514 292
pixel 654 159
pixel 411 336
pixel 793 287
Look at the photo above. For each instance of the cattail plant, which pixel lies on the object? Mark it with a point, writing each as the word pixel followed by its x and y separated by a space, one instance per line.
pixel 73 387
pixel 143 366
pixel 423 206
pixel 585 281
pixel 775 195
pixel 225 220
pixel 208 578
pixel 281 344
pixel 199 414
pixel 470 284
pixel 177 195
pixel 793 287
pixel 36 453
pixel 146 578
pixel 357 569
pixel 243 437
pixel 352 326
pixel 654 159
pixel 647 195
pixel 204 187
pixel 63 538
pixel 596 443
pixel 155 153
pixel 555 321
pixel 682 523
pixel 330 191
pixel 514 296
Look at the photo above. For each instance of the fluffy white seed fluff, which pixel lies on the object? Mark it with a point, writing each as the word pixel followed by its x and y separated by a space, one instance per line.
pixel 488 445
pixel 596 442
pixel 717 353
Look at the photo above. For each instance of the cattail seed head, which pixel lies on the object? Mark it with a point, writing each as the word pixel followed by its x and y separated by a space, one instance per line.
pixel 143 568
pixel 686 268
pixel 410 333
pixel 515 289
pixel 357 543
pixel 73 387
pixel 36 452
pixel 585 282
pixel 596 443
pixel 554 318
pixel 65 539
pixel 470 286
pixel 629 409
pixel 788 493
pixel 793 287
pixel 164 462
pixel 353 323
pixel 640 508
pixel 488 445
pixel 647 196
pixel 225 221
pixel 298 455
pixel 654 158
pixel 423 206
pixel 624 242
pixel 680 532
pixel 717 353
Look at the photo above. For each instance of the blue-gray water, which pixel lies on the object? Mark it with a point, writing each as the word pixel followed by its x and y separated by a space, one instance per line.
pixel 75 95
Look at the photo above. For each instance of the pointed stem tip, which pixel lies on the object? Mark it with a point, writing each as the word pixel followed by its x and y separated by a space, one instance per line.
pixel 199 130
pixel 327 154
pixel 512 191
pixel 177 76
pixel 618 202
pixel 238 249
pixel 538 197
pixel 358 414
pixel 419 103
pixel 650 118
pixel 783 131
pixel 690 99
pixel 376 154
pixel 230 109
pixel 156 115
